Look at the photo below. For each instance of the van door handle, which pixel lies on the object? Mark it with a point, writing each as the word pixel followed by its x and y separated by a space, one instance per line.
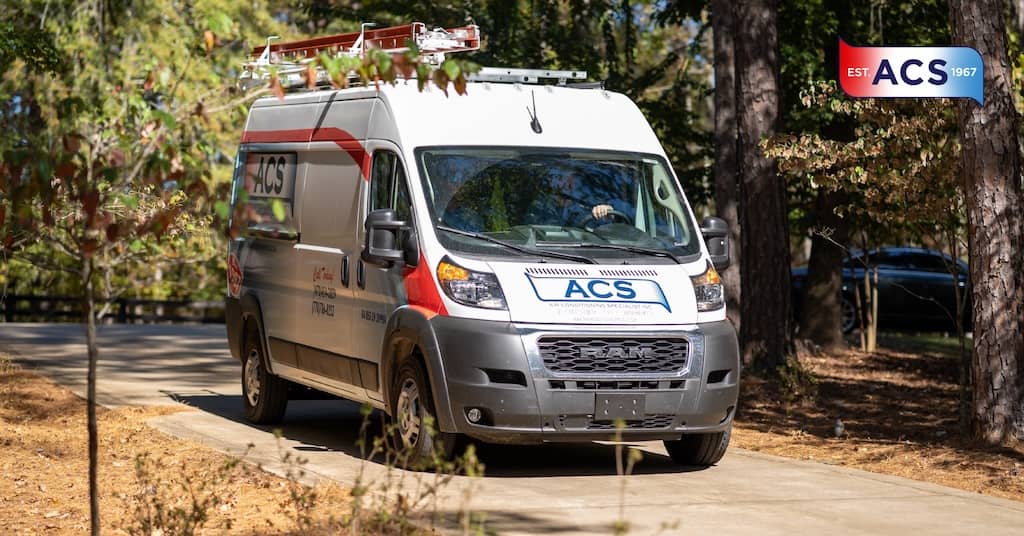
pixel 361 274
pixel 344 271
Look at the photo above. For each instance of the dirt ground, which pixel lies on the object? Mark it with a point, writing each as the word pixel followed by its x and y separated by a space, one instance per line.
pixel 898 409
pixel 44 486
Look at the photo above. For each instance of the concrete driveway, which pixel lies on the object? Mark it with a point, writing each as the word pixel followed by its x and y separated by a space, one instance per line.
pixel 555 489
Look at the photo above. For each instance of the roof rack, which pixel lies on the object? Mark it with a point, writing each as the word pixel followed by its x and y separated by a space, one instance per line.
pixel 524 76
pixel 291 59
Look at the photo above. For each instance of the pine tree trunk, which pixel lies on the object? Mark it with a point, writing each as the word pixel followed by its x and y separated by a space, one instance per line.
pixel 723 19
pixel 88 307
pixel 991 176
pixel 821 318
pixel 765 340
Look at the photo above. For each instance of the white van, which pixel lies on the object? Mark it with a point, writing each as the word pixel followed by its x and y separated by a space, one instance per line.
pixel 516 265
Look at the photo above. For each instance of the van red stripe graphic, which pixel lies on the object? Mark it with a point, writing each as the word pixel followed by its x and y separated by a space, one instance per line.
pixel 341 138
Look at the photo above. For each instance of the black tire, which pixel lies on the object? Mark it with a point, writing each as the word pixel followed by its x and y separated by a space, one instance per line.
pixel 265 396
pixel 699 449
pixel 412 404
pixel 848 314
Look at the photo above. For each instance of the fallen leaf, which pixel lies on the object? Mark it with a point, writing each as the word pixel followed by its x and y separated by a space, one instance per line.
pixel 210 40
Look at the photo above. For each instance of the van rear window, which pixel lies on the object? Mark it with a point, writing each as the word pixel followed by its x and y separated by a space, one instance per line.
pixel 265 184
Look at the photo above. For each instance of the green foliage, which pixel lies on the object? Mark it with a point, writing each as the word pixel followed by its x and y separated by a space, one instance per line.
pixel 809 52
pixel 119 156
pixel 900 168
pixel 23 40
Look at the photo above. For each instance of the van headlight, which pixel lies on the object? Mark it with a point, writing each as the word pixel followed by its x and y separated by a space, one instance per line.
pixel 477 289
pixel 708 289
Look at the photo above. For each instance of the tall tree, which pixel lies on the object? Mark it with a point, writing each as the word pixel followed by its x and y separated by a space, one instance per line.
pixel 821 317
pixel 766 337
pixel 120 152
pixel 723 19
pixel 991 169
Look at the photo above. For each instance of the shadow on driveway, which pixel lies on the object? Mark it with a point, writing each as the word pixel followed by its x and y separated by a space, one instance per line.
pixel 334 426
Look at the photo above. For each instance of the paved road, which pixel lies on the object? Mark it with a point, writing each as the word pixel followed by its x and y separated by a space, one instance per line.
pixel 553 489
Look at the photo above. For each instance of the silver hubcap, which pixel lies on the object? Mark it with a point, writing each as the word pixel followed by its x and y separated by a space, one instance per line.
pixel 252 377
pixel 849 316
pixel 408 412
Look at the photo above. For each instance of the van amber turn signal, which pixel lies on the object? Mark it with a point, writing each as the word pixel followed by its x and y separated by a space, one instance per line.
pixel 476 289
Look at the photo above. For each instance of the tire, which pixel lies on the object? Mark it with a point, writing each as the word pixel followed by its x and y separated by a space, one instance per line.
pixel 411 406
pixel 699 449
pixel 848 314
pixel 265 396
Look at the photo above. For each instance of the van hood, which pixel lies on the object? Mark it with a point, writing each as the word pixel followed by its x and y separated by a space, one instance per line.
pixel 608 294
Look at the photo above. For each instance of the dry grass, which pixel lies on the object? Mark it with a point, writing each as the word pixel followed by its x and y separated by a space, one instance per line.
pixel 899 409
pixel 43 469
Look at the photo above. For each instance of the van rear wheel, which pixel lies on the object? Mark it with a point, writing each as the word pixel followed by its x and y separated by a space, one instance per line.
pixel 265 395
pixel 413 419
pixel 699 449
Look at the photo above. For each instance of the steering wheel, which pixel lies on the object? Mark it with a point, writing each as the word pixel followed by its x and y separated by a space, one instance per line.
pixel 617 217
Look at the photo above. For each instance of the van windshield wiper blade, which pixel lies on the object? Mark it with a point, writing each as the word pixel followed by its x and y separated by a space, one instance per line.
pixel 632 249
pixel 513 247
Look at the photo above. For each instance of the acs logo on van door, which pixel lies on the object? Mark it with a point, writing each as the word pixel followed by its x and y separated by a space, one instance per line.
pixel 598 290
pixel 270 174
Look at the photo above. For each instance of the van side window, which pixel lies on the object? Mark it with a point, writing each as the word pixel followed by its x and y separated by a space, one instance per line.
pixel 388 188
pixel 382 180
pixel 265 183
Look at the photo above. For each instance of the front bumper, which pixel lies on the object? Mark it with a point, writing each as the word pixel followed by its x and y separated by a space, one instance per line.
pixel 497 367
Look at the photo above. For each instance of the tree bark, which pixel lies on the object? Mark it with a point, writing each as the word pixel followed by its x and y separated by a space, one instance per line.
pixel 821 316
pixel 991 178
pixel 88 305
pixel 765 340
pixel 723 18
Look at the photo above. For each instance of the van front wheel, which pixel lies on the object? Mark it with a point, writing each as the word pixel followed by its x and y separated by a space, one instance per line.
pixel 413 419
pixel 265 395
pixel 699 449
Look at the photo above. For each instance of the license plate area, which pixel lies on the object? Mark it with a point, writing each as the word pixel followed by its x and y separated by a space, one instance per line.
pixel 608 408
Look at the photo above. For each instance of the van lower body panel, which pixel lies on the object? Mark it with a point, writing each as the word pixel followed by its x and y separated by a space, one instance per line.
pixel 536 383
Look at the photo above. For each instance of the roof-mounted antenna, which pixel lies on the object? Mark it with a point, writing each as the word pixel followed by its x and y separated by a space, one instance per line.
pixel 534 122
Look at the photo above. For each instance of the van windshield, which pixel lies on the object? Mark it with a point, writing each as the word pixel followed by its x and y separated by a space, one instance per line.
pixel 607 205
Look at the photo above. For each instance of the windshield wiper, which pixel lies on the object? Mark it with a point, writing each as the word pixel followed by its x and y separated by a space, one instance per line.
pixel 632 249
pixel 513 247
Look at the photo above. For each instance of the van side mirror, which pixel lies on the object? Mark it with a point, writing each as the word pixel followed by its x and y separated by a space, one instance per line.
pixel 716 236
pixel 411 249
pixel 381 246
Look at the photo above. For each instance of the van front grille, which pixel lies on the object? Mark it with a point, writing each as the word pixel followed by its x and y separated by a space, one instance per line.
pixel 611 355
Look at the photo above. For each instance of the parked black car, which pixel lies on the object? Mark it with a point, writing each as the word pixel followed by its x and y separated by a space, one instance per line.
pixel 915 289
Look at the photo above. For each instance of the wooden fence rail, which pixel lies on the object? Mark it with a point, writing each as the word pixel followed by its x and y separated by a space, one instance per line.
pixel 19 308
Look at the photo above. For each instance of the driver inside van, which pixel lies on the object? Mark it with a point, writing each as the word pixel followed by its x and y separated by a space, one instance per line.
pixel 561 202
pixel 479 205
